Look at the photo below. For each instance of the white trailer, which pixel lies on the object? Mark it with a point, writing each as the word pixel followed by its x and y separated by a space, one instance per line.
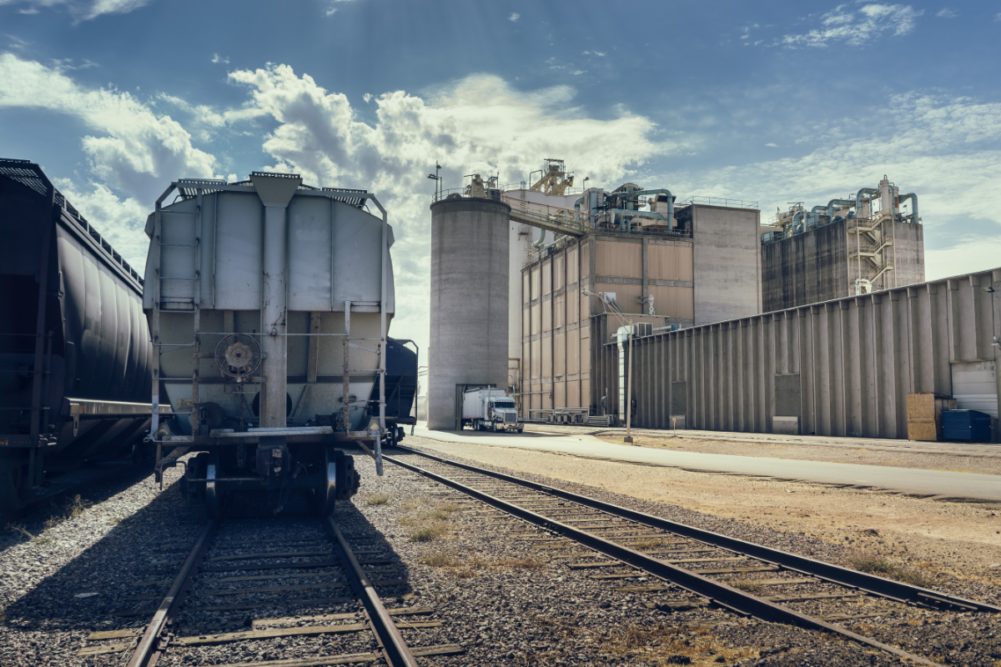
pixel 490 410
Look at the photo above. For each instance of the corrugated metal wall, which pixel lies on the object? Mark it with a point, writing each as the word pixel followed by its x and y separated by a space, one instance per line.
pixel 841 367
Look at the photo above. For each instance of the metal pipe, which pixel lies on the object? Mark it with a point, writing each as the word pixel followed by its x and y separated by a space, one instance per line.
pixel 914 206
pixel 542 239
pixel 858 200
pixel 837 202
pixel 658 191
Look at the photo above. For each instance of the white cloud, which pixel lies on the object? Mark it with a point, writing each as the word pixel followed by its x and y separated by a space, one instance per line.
pixel 83 10
pixel 770 145
pixel 477 125
pixel 367 97
pixel 119 220
pixel 332 8
pixel 946 13
pixel 514 16
pixel 856 27
pixel 133 150
pixel 577 72
pixel 216 59
pixel 998 17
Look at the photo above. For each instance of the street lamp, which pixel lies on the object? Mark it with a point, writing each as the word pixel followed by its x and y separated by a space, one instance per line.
pixel 435 177
pixel 627 331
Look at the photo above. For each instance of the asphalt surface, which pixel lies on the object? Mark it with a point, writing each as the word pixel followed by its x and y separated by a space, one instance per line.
pixel 913 481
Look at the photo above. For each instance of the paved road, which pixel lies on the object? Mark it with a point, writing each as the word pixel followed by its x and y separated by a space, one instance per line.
pixel 933 483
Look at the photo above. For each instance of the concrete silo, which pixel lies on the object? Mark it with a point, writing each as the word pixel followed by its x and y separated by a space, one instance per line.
pixel 469 299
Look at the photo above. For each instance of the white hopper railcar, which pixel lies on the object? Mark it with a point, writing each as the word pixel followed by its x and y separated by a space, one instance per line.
pixel 269 304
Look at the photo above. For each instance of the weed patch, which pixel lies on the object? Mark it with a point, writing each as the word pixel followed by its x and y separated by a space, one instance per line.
pixel 375 501
pixel 884 568
pixel 429 533
pixel 747 585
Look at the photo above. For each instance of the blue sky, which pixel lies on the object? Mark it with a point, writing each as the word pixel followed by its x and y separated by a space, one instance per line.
pixel 772 102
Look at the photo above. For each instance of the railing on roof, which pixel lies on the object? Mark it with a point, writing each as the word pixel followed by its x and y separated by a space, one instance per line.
pixel 721 201
pixel 31 175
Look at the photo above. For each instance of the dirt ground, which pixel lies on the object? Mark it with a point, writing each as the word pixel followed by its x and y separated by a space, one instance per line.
pixel 987 465
pixel 961 539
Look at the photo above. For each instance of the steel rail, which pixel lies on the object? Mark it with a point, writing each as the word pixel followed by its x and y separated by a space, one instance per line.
pixel 725 596
pixel 835 574
pixel 397 652
pixel 146 652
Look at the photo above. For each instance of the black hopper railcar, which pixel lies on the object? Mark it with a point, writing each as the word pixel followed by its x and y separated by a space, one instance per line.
pixel 401 389
pixel 75 352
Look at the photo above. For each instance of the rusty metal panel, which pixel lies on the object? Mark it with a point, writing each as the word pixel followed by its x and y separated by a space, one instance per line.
pixel 560 394
pixel 559 270
pixel 526 322
pixel 559 311
pixel 669 262
pixel 559 354
pixel 536 277
pixel 621 259
pixel 536 359
pixel 627 296
pixel 585 351
pixel 585 393
pixel 547 395
pixel 547 276
pixel 536 317
pixel 676 302
pixel 547 314
pixel 526 287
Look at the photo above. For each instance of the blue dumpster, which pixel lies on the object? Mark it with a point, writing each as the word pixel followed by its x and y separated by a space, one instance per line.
pixel 969 425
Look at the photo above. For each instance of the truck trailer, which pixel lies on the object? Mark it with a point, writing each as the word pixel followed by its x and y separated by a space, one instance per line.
pixel 490 410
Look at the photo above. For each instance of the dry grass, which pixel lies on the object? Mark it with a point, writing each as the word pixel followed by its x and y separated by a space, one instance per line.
pixel 377 500
pixel 428 533
pixel 659 644
pixel 440 559
pixel 73 509
pixel 652 543
pixel 37 539
pixel 747 585
pixel 884 568
pixel 468 567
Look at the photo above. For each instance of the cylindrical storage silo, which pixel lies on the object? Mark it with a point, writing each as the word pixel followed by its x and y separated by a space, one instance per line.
pixel 469 301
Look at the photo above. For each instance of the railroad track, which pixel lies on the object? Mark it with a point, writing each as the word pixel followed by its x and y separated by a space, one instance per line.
pixel 227 575
pixel 709 568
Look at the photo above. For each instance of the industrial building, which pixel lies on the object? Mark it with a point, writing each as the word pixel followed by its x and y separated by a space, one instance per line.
pixel 697 276
pixel 630 253
pixel 838 368
pixel 869 241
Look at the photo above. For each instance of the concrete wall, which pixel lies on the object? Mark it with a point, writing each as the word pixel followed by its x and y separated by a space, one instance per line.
pixel 813 267
pixel 910 246
pixel 469 301
pixel 727 262
pixel 840 368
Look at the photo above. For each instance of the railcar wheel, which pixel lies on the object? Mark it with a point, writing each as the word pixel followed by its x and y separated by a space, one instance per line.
pixel 213 497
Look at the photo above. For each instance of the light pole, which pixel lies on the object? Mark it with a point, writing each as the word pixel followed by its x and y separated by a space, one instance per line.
pixel 435 177
pixel 627 331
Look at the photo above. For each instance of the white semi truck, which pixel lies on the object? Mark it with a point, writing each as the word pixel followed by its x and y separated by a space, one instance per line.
pixel 490 410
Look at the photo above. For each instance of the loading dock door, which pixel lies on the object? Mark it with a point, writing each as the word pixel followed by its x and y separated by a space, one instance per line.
pixel 974 386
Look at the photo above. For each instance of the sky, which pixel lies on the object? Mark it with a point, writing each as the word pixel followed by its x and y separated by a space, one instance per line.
pixel 773 102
